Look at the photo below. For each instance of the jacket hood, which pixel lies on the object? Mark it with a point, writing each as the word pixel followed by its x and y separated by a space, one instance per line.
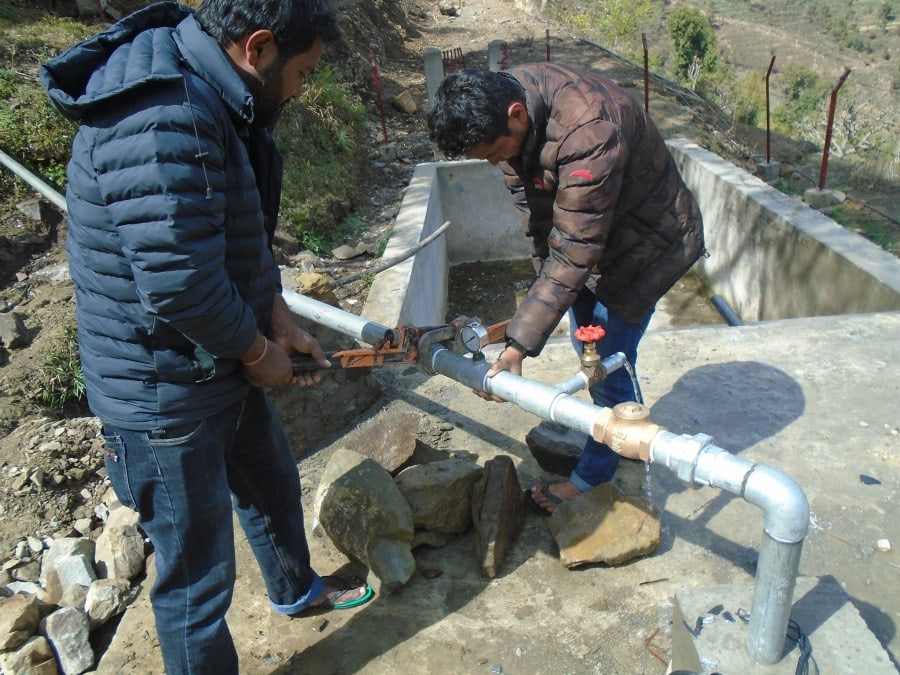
pixel 151 45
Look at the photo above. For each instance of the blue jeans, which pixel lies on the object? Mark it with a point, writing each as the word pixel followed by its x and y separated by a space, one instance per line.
pixel 184 482
pixel 598 462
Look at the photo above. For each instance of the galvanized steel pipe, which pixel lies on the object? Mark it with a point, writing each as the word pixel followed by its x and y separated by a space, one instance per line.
pixel 696 460
pixel 335 318
pixel 50 194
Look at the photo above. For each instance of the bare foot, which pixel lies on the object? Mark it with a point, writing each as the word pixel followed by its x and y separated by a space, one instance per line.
pixel 561 491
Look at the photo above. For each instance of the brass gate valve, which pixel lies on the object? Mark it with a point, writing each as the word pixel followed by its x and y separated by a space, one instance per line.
pixel 591 363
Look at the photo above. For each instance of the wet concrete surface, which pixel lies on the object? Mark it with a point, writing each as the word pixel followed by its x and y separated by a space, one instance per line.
pixel 815 398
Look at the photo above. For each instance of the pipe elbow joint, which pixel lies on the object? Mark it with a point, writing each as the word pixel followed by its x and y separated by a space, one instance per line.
pixel 784 504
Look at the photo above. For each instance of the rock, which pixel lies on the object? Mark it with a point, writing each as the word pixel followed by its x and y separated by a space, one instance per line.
pixel 307 261
pixel 604 525
pixel 19 619
pixel 13 334
pixel 425 453
pixel 34 657
pixel 27 571
pixel 364 514
pixel 316 286
pixel 498 513
pixel 119 552
pixel 440 494
pixel 117 513
pixel 556 448
pixel 389 438
pixel 31 209
pixel 404 103
pixel 67 630
pixel 431 538
pixel 67 570
pixel 105 599
pixel 88 8
pixel 822 199
pixel 345 252
pixel 448 8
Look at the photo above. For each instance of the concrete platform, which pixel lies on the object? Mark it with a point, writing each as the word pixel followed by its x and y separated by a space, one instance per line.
pixel 815 398
pixel 710 631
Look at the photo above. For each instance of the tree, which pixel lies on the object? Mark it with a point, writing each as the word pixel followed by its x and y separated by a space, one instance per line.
pixel 693 42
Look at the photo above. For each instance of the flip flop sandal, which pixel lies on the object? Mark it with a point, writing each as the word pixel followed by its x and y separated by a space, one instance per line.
pixel 545 490
pixel 345 584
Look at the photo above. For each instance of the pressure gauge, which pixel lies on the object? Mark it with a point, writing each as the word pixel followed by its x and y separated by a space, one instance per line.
pixel 473 336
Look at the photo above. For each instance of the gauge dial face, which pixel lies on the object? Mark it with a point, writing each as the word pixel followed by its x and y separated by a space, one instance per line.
pixel 472 337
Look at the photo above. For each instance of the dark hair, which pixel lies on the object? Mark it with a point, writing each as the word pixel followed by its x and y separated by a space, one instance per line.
pixel 470 107
pixel 295 24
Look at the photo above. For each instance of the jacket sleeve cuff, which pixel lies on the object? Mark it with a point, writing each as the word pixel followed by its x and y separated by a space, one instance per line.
pixel 519 348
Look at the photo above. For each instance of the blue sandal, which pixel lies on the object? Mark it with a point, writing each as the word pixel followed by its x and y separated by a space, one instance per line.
pixel 545 490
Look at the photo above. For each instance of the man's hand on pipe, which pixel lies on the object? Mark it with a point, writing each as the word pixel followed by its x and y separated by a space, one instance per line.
pixel 510 360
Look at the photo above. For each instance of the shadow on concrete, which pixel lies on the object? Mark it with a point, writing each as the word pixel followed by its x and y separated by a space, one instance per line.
pixel 754 402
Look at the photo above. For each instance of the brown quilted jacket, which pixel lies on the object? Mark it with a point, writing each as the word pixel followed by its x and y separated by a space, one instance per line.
pixel 599 194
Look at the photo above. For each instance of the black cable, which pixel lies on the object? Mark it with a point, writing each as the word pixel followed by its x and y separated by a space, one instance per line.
pixel 795 634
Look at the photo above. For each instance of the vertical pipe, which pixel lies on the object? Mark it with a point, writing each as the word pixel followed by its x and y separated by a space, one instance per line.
pixel 834 91
pixel 547 38
pixel 768 132
pixel 773 594
pixel 646 74
pixel 378 93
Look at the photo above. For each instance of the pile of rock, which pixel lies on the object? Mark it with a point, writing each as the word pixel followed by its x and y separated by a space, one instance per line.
pixel 394 493
pixel 58 591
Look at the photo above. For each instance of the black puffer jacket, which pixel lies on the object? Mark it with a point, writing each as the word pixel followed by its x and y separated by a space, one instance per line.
pixel 600 194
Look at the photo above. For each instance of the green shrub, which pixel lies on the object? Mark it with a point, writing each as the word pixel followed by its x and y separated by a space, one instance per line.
pixel 804 94
pixel 693 42
pixel 30 130
pixel 616 24
pixel 323 141
pixel 61 378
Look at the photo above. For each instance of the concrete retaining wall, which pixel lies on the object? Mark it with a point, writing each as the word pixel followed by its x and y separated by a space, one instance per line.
pixel 771 256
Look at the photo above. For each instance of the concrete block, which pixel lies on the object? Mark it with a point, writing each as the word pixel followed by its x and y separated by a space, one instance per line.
pixel 768 171
pixel 710 635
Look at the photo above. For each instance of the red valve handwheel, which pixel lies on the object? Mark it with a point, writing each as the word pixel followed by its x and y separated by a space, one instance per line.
pixel 589 333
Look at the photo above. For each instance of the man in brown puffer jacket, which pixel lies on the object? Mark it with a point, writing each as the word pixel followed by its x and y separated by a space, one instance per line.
pixel 612 224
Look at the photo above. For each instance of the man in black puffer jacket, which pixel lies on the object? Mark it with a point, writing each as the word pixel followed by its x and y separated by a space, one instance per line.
pixel 173 195
pixel 612 225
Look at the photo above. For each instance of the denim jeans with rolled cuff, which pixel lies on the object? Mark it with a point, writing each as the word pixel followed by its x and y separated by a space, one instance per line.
pixel 184 482
pixel 598 462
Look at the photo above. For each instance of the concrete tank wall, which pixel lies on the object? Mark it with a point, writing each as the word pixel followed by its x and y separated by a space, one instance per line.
pixel 771 256
pixel 774 257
